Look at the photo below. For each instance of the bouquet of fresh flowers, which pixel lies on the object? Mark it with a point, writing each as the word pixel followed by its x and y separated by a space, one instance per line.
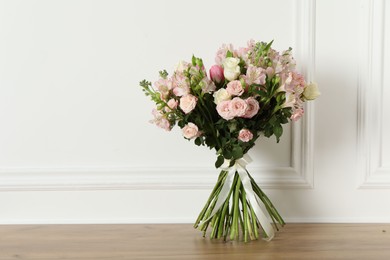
pixel 250 91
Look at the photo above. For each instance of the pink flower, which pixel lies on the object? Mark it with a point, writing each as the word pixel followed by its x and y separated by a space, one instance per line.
pixel 190 131
pixel 255 75
pixel 172 104
pixel 188 103
pixel 245 135
pixel 216 74
pixel 207 85
pixel 180 84
pixel 221 53
pixel 292 83
pixel 270 71
pixel 223 109
pixel 297 114
pixel 181 66
pixel 160 120
pixel 243 53
pixel 163 86
pixel 238 107
pixel 235 88
pixel 253 107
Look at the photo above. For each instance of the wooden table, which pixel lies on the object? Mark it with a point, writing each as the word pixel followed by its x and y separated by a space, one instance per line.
pixel 181 241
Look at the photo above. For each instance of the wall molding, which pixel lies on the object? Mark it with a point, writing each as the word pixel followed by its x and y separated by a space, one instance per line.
pixel 370 102
pixel 298 175
pixel 136 178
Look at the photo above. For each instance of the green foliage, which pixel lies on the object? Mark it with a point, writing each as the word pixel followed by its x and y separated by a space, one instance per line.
pixel 229 54
pixel 163 74
pixel 219 161
pixel 155 96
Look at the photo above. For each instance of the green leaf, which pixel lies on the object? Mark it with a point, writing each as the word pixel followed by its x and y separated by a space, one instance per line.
pixel 232 126
pixel 219 161
pixel 278 131
pixel 210 142
pixel 193 60
pixel 283 119
pixel 273 121
pixel 268 46
pixel 181 123
pixel 261 92
pixel 229 54
pixel 198 141
pixel 237 152
pixel 227 154
pixel 268 132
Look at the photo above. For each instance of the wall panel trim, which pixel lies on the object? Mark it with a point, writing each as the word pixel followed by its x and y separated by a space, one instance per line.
pixel 370 88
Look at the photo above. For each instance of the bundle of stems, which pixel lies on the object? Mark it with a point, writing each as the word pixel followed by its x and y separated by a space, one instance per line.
pixel 236 213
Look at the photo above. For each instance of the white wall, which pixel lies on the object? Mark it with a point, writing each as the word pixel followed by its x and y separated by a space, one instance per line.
pixel 76 145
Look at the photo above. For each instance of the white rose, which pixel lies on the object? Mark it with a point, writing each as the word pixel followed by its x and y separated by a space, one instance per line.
pixel 311 91
pixel 231 70
pixel 221 95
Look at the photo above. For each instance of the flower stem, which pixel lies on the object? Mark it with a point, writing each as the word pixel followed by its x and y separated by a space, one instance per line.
pixel 214 194
pixel 236 212
pixel 254 223
pixel 234 229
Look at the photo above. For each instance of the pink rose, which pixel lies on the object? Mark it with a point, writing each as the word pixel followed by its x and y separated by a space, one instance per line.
pixel 238 106
pixel 245 135
pixel 223 109
pixel 253 107
pixel 235 88
pixel 188 103
pixel 190 131
pixel 216 74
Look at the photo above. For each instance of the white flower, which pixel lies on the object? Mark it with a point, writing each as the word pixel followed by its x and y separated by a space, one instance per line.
pixel 231 70
pixel 311 91
pixel 221 95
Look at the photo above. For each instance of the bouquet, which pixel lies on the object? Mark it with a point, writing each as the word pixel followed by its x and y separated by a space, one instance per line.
pixel 249 92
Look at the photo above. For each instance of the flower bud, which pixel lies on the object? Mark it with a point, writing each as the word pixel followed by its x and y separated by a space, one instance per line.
pixel 216 74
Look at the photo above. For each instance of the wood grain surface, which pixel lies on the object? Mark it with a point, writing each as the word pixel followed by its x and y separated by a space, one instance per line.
pixel 181 241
